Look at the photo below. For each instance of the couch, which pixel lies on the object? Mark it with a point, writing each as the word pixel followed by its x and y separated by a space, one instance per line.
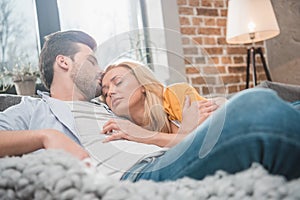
pixel 287 92
pixel 7 100
pixel 53 174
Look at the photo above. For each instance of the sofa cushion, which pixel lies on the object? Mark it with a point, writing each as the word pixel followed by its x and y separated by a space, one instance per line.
pixel 8 100
pixel 287 92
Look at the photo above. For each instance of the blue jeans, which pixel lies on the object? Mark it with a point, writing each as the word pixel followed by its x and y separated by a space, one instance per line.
pixel 254 126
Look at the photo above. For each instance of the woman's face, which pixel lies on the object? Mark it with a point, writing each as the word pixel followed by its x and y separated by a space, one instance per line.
pixel 122 91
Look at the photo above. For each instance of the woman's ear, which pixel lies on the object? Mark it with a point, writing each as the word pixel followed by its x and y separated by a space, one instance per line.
pixel 62 62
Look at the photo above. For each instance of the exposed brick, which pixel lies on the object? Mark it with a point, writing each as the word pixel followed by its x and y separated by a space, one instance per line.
pixel 230 79
pixel 226 60
pixel 194 2
pixel 210 80
pixel 198 80
pixel 200 60
pixel 209 31
pixel 220 90
pixel 206 3
pixel 188 60
pixel 209 41
pixel 244 77
pixel 206 90
pixel 188 30
pixel 251 85
pixel 222 22
pixel 181 2
pixel 210 70
pixel 197 21
pixel 224 13
pixel 215 60
pixel 214 50
pixel 258 60
pixel 185 11
pixel 237 69
pixel 203 24
pixel 219 3
pixel 184 20
pixel 232 88
pixel 236 50
pixel 238 59
pixel 261 76
pixel 198 40
pixel 207 12
pixel 192 70
pixel 259 69
pixel 222 69
pixel 224 30
pixel 210 22
pixel 226 3
pixel 221 40
pixel 197 89
pixel 190 50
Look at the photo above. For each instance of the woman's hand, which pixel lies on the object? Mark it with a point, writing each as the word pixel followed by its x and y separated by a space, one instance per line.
pixel 124 129
pixel 194 113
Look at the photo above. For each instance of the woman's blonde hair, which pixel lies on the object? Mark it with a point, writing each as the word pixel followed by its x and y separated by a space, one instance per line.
pixel 154 116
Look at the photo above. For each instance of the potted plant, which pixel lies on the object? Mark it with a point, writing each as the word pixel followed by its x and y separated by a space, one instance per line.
pixel 23 77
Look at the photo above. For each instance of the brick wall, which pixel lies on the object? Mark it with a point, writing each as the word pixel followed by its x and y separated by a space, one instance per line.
pixel 213 67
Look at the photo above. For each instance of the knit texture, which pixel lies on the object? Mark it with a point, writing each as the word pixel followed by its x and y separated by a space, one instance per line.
pixel 55 174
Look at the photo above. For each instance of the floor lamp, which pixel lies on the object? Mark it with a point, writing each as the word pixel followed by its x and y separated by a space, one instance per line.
pixel 250 21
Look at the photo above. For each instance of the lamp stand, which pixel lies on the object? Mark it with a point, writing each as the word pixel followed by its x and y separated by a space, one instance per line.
pixel 251 59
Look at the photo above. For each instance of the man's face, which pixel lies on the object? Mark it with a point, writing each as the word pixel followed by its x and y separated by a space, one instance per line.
pixel 86 73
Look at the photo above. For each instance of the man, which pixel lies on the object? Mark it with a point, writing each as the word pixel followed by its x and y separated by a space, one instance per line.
pixel 32 124
pixel 255 126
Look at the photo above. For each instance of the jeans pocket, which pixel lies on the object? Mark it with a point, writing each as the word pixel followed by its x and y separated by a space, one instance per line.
pixel 133 173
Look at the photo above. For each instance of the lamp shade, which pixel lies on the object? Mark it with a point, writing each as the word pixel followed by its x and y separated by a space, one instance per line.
pixel 250 21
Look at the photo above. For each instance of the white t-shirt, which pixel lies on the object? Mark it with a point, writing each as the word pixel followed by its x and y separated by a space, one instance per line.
pixel 115 157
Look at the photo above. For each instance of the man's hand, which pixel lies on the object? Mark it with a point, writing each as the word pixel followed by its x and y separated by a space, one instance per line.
pixel 53 139
pixel 14 143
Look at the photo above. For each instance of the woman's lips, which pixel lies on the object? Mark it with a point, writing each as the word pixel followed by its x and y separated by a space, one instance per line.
pixel 116 101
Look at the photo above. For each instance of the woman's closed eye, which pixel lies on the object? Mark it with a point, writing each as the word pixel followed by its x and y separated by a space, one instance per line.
pixel 118 81
pixel 114 82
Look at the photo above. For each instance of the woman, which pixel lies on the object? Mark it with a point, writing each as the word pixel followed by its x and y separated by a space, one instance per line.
pixel 131 91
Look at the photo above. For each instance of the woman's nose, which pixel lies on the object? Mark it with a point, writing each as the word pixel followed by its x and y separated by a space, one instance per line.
pixel 111 90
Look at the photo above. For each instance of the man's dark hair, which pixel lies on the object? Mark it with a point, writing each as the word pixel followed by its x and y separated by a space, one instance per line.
pixel 61 43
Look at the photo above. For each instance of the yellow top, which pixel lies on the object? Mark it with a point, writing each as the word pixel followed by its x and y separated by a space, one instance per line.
pixel 174 96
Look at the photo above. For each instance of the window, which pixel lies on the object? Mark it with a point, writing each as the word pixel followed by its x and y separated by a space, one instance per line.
pixel 119 27
pixel 121 30
pixel 115 25
pixel 18 33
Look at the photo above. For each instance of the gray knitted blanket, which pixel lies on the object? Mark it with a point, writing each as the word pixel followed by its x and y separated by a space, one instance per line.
pixel 57 175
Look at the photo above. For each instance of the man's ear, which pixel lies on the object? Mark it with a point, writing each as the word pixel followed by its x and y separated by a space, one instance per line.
pixel 62 62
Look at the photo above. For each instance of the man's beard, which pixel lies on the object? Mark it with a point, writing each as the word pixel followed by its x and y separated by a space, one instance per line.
pixel 86 83
pixel 89 90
